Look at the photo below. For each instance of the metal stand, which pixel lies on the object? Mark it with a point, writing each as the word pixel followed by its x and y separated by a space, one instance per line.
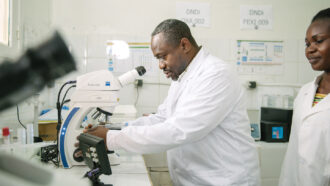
pixel 93 175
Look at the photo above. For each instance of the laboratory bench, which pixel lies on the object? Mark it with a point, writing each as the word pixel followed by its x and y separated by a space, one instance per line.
pixel 131 171
pixel 151 169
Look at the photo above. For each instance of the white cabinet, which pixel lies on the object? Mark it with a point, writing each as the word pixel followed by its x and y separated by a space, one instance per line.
pixel 157 168
pixel 271 156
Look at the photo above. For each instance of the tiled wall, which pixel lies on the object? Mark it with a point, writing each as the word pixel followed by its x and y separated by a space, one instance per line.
pixel 87 25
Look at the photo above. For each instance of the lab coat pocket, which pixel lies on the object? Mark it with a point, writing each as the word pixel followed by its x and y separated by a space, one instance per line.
pixel 211 178
pixel 307 146
pixel 312 139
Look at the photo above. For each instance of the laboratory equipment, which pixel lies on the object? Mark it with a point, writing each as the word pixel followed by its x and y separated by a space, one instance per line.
pixel 19 80
pixel 288 101
pixel 275 124
pixel 95 156
pixel 21 135
pixel 49 154
pixel 277 101
pixel 36 68
pixel 98 89
pixel 6 135
pixel 123 113
pixel 120 116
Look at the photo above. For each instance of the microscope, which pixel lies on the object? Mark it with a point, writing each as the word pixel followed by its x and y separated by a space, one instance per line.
pixel 20 79
pixel 98 91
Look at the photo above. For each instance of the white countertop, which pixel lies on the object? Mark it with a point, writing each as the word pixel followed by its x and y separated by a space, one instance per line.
pixel 130 172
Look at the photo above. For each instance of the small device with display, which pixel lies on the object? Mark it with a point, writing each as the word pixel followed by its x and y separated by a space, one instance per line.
pixel 275 124
pixel 95 156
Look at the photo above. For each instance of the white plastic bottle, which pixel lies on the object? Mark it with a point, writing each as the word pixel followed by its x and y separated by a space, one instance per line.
pixel 21 135
pixel 29 133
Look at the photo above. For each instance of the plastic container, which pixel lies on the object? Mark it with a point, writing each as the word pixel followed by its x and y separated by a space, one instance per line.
pixel 6 135
pixel 21 136
pixel 29 133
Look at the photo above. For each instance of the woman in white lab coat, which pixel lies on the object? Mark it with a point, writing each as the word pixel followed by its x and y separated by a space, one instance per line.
pixel 307 160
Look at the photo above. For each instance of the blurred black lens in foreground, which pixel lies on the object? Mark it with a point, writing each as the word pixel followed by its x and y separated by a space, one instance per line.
pixel 33 70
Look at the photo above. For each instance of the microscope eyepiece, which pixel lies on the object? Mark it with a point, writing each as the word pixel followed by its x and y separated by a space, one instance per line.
pixel 130 76
pixel 36 68
pixel 141 70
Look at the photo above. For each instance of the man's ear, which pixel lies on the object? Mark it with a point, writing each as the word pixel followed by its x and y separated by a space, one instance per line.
pixel 185 45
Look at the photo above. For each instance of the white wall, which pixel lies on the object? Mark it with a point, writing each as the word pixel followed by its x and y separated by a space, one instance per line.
pixel 14 26
pixel 87 24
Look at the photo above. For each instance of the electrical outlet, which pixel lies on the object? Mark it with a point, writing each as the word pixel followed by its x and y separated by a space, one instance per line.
pixel 138 83
pixel 252 84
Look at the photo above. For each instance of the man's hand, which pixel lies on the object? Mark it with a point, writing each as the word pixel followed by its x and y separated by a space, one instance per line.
pixel 98 131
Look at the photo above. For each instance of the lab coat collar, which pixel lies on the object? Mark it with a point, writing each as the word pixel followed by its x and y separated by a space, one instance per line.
pixel 309 94
pixel 179 85
pixel 317 81
pixel 187 74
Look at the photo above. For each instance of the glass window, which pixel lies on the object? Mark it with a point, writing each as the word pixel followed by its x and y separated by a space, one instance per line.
pixel 4 22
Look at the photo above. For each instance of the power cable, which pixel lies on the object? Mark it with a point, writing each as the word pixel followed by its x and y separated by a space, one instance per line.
pixel 18 117
pixel 59 116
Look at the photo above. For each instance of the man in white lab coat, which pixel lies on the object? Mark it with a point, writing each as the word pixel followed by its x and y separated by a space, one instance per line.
pixel 307 160
pixel 202 124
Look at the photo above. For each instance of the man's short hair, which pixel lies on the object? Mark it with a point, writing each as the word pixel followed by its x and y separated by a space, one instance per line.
pixel 174 30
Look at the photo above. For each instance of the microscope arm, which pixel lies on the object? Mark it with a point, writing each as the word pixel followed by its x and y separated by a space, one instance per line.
pixel 71 127
pixel 94 89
